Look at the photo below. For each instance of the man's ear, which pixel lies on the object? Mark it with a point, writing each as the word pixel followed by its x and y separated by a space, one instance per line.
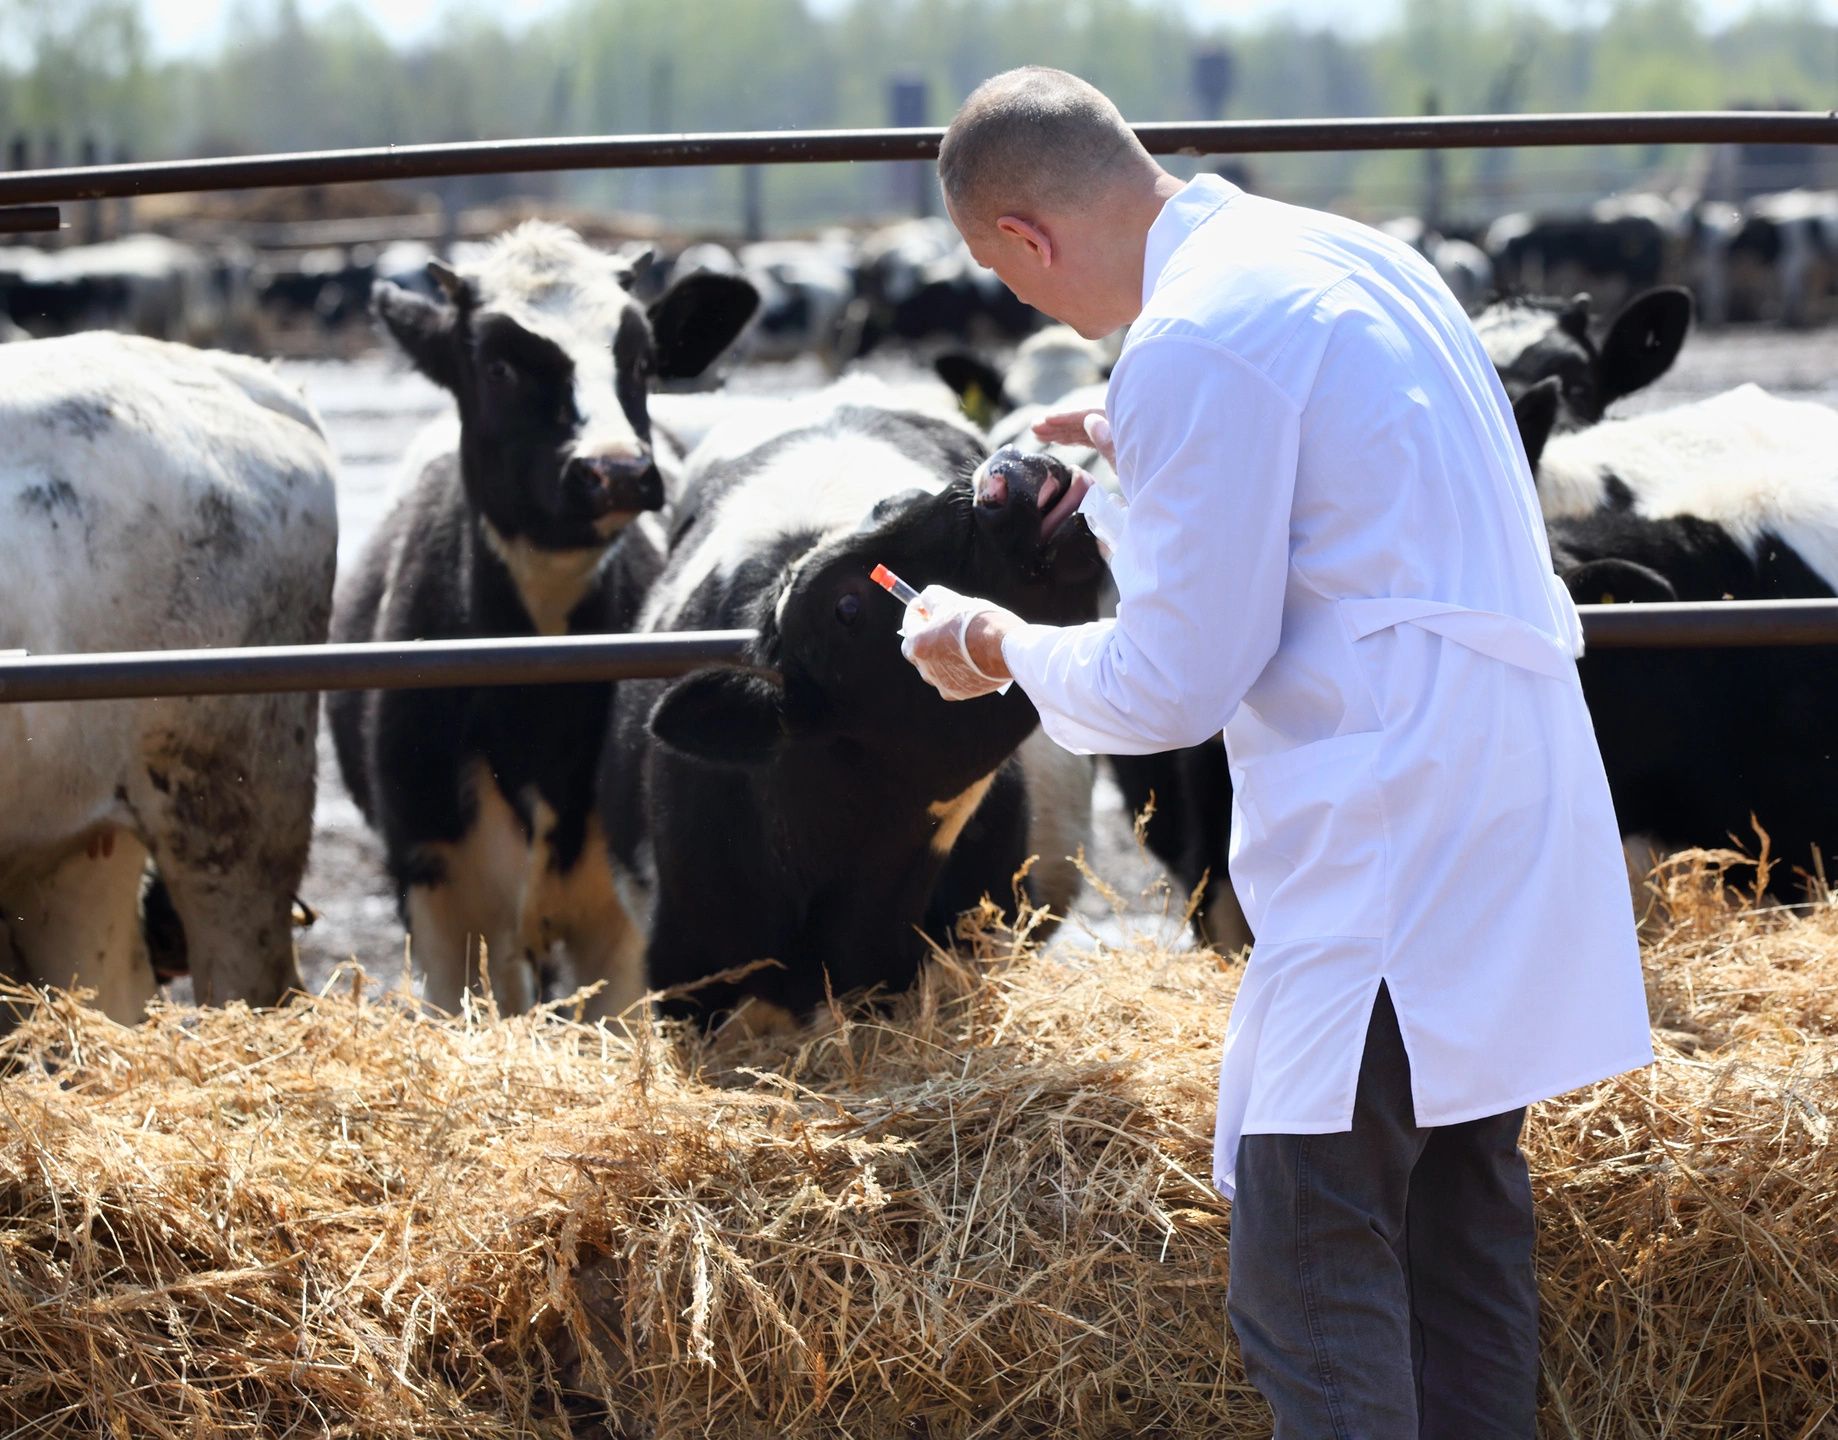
pixel 1536 413
pixel 728 716
pixel 1618 582
pixel 1029 234
pixel 1644 340
pixel 697 318
pixel 424 328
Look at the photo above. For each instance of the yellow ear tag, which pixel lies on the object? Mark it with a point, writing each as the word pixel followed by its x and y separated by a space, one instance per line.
pixel 977 405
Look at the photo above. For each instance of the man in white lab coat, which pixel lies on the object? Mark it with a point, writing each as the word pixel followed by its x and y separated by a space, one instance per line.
pixel 1332 551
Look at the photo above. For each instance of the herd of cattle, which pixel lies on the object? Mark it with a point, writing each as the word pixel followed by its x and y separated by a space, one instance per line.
pixel 818 808
pixel 842 294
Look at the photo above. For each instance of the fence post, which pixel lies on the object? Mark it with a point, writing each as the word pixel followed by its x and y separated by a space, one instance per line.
pixel 89 152
pixel 124 205
pixel 1435 173
pixel 753 202
pixel 912 181
pixel 1213 77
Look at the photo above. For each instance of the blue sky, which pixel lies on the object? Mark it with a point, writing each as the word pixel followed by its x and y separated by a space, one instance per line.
pixel 188 26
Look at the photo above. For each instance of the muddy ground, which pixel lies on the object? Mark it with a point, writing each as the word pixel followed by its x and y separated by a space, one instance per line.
pixel 373 406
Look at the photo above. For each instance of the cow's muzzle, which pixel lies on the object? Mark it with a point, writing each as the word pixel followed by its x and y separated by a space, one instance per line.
pixel 604 485
pixel 1012 476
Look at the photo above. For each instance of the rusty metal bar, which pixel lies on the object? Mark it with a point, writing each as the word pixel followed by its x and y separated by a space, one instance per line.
pixel 1710 624
pixel 29 219
pixel 416 665
pixel 604 152
pixel 428 664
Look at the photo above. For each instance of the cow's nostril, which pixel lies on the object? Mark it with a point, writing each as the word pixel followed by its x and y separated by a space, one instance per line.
pixel 611 483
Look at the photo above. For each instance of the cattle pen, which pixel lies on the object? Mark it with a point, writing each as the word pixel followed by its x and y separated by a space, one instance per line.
pixel 983 1211
pixel 28 201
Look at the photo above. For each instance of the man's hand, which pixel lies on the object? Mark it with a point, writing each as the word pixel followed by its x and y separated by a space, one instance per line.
pixel 957 644
pixel 1079 427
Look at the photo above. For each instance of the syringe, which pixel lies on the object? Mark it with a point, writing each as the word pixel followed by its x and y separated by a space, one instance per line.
pixel 897 588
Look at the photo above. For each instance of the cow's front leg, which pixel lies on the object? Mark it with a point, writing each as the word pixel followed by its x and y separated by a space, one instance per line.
pixel 224 800
pixel 77 923
pixel 576 916
pixel 454 948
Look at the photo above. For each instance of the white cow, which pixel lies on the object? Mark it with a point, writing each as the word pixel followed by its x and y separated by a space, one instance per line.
pixel 156 497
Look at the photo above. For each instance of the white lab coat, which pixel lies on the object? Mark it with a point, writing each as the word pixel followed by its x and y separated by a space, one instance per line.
pixel 1332 551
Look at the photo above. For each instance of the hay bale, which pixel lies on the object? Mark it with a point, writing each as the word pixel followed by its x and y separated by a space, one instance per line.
pixel 983 1212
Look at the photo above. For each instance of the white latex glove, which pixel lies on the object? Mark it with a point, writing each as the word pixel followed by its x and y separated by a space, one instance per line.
pixel 934 642
pixel 1106 515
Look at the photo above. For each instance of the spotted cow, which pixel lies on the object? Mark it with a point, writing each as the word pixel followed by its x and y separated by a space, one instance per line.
pixel 820 806
pixel 157 497
pixel 483 797
pixel 1730 498
pixel 1532 340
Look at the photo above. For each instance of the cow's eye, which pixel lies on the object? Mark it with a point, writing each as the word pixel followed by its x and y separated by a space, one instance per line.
pixel 848 607
pixel 501 371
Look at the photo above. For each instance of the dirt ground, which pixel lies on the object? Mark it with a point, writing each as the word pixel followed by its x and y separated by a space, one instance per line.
pixel 372 407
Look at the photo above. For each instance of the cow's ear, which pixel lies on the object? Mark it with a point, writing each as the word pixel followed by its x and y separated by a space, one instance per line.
pixel 1536 412
pixel 1644 340
pixel 976 383
pixel 1573 319
pixel 423 327
pixel 697 318
pixel 1618 582
pixel 732 717
pixel 633 264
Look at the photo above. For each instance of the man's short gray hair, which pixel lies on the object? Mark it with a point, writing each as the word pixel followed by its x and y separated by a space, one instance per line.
pixel 1031 139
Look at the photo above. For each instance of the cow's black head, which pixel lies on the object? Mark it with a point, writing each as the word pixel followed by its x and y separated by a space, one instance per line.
pixel 551 361
pixel 1535 342
pixel 832 671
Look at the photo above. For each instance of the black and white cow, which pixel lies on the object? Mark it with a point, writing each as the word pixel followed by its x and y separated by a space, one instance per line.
pixel 1782 259
pixel 148 284
pixel 483 797
pixel 1185 793
pixel 156 497
pixel 1533 340
pixel 1735 497
pixel 822 805
pixel 1618 247
pixel 916 281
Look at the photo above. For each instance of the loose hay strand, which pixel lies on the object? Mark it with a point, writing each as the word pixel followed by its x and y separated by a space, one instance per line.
pixel 982 1211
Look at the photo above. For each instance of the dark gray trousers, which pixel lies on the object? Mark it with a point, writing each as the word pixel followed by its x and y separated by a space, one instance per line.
pixel 1381 1280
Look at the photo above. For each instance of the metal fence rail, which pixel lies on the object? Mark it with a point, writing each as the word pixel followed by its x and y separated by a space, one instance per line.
pixel 425 664
pixel 414 665
pixel 428 664
pixel 1710 624
pixel 630 152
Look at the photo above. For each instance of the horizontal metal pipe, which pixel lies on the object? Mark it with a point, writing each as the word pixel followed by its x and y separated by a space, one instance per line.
pixel 1710 624
pixel 29 219
pixel 426 664
pixel 416 665
pixel 613 152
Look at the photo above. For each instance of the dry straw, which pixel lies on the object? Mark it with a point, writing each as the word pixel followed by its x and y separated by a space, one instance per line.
pixel 984 1211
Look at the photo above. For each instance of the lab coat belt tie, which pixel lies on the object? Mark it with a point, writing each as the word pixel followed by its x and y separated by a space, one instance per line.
pixel 1500 637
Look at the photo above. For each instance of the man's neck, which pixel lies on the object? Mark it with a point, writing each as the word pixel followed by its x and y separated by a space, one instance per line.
pixel 1141 219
